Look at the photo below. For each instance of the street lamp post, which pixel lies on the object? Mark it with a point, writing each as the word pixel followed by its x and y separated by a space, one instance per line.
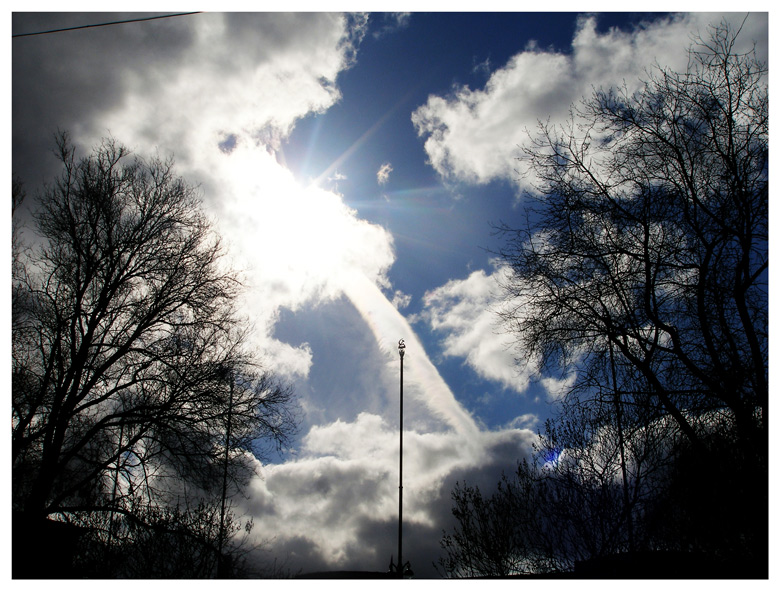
pixel 402 569
pixel 401 350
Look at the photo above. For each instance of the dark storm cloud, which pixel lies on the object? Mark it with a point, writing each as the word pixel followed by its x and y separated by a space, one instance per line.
pixel 165 81
pixel 375 537
pixel 67 80
pixel 336 508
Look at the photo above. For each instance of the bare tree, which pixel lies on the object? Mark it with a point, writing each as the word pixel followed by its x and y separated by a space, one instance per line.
pixel 584 495
pixel 591 494
pixel 642 272
pixel 129 357
pixel 487 539
pixel 171 541
pixel 650 239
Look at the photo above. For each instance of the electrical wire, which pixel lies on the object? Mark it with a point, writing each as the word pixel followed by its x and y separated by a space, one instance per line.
pixel 134 20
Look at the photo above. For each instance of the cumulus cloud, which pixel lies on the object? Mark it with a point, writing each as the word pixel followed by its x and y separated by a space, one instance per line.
pixel 219 92
pixel 463 311
pixel 337 503
pixel 473 135
pixel 181 85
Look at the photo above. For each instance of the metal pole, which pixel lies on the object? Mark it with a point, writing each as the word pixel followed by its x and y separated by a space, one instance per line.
pixel 401 348
pixel 220 542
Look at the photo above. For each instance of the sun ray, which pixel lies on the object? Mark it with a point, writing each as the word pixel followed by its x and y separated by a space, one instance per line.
pixel 358 143
pixel 312 143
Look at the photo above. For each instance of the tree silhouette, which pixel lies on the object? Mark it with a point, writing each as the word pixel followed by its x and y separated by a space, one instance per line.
pixel 651 238
pixel 129 357
pixel 642 272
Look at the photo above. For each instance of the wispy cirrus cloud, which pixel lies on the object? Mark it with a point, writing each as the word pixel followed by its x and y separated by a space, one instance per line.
pixel 383 174
pixel 391 22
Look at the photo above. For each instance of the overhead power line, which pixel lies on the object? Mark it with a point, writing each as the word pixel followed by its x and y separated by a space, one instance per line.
pixel 133 20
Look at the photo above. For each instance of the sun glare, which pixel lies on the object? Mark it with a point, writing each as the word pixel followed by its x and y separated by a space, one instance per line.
pixel 302 238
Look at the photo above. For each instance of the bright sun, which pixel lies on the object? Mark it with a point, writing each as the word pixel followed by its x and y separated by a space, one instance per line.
pixel 300 238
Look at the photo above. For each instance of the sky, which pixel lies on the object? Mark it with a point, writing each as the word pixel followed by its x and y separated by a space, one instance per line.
pixel 355 166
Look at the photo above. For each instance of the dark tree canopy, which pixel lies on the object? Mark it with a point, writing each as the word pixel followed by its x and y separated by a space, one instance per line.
pixel 650 239
pixel 133 384
pixel 642 273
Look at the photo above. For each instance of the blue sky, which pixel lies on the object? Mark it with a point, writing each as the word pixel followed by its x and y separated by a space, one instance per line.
pixel 354 165
pixel 442 230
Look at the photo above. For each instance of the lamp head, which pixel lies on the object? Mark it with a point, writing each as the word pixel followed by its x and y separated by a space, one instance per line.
pixel 401 347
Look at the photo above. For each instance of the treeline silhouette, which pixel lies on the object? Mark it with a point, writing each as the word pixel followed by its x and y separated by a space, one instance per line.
pixel 136 396
pixel 642 275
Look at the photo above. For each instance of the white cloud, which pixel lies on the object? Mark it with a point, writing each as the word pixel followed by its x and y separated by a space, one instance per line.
pixel 220 97
pixel 247 76
pixel 383 174
pixel 224 91
pixel 286 360
pixel 464 311
pixel 297 246
pixel 401 300
pixel 557 388
pixel 392 22
pixel 301 246
pixel 339 500
pixel 221 102
pixel 524 421
pixel 473 135
pixel 221 92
